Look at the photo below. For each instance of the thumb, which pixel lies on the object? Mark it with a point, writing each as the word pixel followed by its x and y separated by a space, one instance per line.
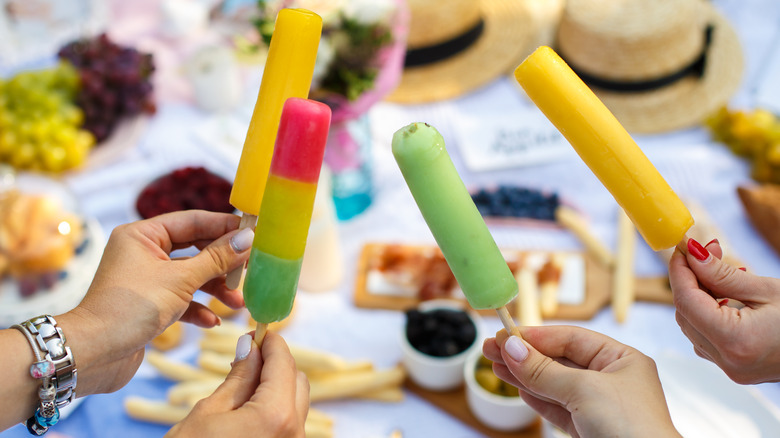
pixel 243 379
pixel 537 372
pixel 722 279
pixel 221 256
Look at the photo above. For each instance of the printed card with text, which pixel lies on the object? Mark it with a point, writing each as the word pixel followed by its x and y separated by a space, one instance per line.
pixel 515 139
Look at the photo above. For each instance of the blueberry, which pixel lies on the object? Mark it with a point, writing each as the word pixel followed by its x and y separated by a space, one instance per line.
pixel 484 210
pixel 440 332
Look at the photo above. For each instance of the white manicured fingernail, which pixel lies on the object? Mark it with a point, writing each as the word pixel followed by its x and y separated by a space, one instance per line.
pixel 242 240
pixel 243 347
pixel 516 348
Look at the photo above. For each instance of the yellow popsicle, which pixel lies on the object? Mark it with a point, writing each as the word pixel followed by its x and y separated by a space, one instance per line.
pixel 605 146
pixel 288 73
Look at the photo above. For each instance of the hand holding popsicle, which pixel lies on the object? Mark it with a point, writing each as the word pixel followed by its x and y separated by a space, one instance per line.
pixel 284 217
pixel 583 382
pixel 288 72
pixel 264 392
pixel 454 220
pixel 137 292
pixel 743 341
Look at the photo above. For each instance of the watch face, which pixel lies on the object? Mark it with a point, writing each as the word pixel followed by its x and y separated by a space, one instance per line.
pixel 32 30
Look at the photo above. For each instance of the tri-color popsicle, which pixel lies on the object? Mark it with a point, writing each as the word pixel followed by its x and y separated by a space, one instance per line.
pixel 605 146
pixel 288 72
pixel 454 220
pixel 285 214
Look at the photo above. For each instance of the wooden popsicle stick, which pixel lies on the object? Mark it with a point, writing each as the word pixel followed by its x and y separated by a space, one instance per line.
pixel 623 281
pixel 233 278
pixel 506 320
pixel 682 245
pixel 260 333
pixel 574 222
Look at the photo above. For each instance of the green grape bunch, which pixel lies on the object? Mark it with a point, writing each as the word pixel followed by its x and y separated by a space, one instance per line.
pixel 40 122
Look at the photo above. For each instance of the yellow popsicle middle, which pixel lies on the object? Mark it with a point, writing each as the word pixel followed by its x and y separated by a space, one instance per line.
pixel 289 208
pixel 605 146
pixel 288 73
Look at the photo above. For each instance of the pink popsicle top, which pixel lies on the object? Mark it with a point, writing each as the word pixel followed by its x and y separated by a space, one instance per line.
pixel 300 142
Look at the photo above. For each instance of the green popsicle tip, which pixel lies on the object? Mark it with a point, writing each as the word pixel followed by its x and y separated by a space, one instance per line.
pixel 418 140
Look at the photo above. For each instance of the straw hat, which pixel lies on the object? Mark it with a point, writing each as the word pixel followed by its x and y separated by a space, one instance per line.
pixel 657 65
pixel 456 46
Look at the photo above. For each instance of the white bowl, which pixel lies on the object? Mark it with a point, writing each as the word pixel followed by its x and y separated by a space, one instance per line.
pixel 494 411
pixel 438 373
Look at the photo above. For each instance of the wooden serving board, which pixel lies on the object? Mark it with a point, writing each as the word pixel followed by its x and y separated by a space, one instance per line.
pixel 598 289
pixel 454 403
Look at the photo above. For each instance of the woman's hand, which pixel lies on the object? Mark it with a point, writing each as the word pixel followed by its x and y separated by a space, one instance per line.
pixel 264 395
pixel 584 382
pixel 743 341
pixel 138 291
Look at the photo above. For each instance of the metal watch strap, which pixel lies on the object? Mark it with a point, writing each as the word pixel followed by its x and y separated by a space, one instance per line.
pixel 51 342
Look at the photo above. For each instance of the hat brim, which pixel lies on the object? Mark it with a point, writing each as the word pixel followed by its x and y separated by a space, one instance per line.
pixel 689 101
pixel 506 39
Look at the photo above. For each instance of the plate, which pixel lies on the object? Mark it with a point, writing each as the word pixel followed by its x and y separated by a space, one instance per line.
pixel 124 137
pixel 66 293
pixel 588 288
pixel 704 402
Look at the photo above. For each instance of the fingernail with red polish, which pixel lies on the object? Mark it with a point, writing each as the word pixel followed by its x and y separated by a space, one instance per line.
pixel 743 269
pixel 696 250
pixel 723 302
pixel 713 241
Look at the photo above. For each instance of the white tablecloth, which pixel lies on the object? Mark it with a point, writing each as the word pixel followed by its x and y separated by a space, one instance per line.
pixel 697 169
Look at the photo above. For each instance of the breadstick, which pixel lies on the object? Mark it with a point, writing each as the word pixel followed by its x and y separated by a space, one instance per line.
pixel 572 221
pixel 307 360
pixel 154 411
pixel 215 362
pixel 317 430
pixel 313 361
pixel 317 416
pixel 218 344
pixel 177 371
pixel 549 277
pixel 527 300
pixel 219 363
pixel 351 384
pixel 318 425
pixel 623 281
pixel 390 394
pixel 227 329
pixel 184 393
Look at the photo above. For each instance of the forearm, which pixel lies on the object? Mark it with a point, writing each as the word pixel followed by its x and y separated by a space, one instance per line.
pixel 18 389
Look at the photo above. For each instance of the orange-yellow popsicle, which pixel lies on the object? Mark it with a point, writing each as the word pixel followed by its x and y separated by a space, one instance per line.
pixel 289 68
pixel 605 146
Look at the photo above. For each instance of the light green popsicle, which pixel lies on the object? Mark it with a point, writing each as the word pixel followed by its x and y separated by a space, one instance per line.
pixel 454 220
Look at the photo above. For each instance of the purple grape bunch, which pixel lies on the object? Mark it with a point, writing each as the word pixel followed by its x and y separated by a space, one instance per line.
pixel 115 82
